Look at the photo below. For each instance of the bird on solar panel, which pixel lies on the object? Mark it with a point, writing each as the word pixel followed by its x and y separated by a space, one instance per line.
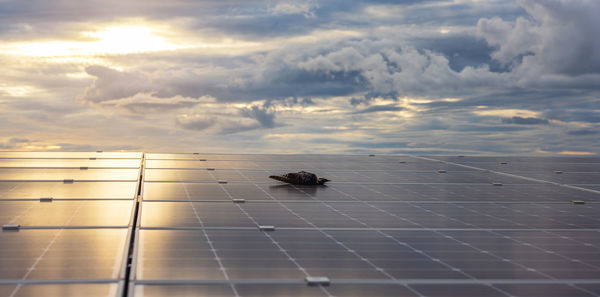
pixel 300 178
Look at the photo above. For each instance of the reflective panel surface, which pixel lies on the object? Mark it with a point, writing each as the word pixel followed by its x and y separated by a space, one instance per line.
pixel 68 155
pixel 385 254
pixel 201 191
pixel 216 225
pixel 75 174
pixel 61 254
pixel 380 176
pixel 296 290
pixel 60 190
pixel 66 213
pixel 371 215
pixel 71 163
pixel 59 290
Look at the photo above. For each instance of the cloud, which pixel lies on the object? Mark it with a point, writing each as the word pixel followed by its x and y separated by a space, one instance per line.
pixel 144 103
pixel 553 48
pixel 583 132
pixel 304 7
pixel 265 118
pixel 378 108
pixel 196 122
pixel 14 142
pixel 525 121
pixel 221 119
pixel 112 84
pixel 286 75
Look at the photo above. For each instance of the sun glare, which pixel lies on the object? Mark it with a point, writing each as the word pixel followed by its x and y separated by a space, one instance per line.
pixel 118 39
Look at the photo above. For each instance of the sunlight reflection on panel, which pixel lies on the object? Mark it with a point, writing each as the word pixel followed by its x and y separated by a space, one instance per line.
pixel 57 190
pixel 76 174
pixel 74 254
pixel 132 163
pixel 67 213
pixel 63 290
pixel 71 155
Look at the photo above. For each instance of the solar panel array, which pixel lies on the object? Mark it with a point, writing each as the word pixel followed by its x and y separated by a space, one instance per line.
pixel 215 225
pixel 67 220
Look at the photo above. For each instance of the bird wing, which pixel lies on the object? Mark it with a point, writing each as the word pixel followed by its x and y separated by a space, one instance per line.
pixel 281 178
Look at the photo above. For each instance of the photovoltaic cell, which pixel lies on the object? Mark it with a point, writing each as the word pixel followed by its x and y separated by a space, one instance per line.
pixel 61 190
pixel 70 155
pixel 216 225
pixel 66 213
pixel 369 215
pixel 69 163
pixel 66 222
pixel 60 290
pixel 548 167
pixel 74 174
pixel 257 290
pixel 364 192
pixel 61 254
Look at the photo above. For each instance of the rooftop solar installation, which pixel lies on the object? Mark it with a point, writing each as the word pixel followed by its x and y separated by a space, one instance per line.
pixel 133 224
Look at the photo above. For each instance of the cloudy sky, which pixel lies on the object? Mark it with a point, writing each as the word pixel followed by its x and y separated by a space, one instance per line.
pixel 340 76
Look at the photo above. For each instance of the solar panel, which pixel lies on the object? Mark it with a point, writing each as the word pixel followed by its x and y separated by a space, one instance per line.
pixel 54 174
pixel 60 190
pixel 216 225
pixel 69 163
pixel 67 222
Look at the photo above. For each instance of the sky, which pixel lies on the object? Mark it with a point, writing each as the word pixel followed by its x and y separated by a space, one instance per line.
pixel 343 77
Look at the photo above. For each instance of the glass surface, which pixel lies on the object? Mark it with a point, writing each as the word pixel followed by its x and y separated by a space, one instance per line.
pixel 381 218
pixel 566 177
pixel 60 290
pixel 283 157
pixel 249 254
pixel 208 175
pixel 75 174
pixel 259 290
pixel 371 215
pixel 550 167
pixel 547 290
pixel 437 290
pixel 251 290
pixel 509 159
pixel 66 213
pixel 72 163
pixel 365 192
pixel 185 191
pixel 314 163
pixel 184 214
pixel 591 187
pixel 63 155
pixel 363 177
pixel 91 190
pixel 62 254
pixel 245 254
